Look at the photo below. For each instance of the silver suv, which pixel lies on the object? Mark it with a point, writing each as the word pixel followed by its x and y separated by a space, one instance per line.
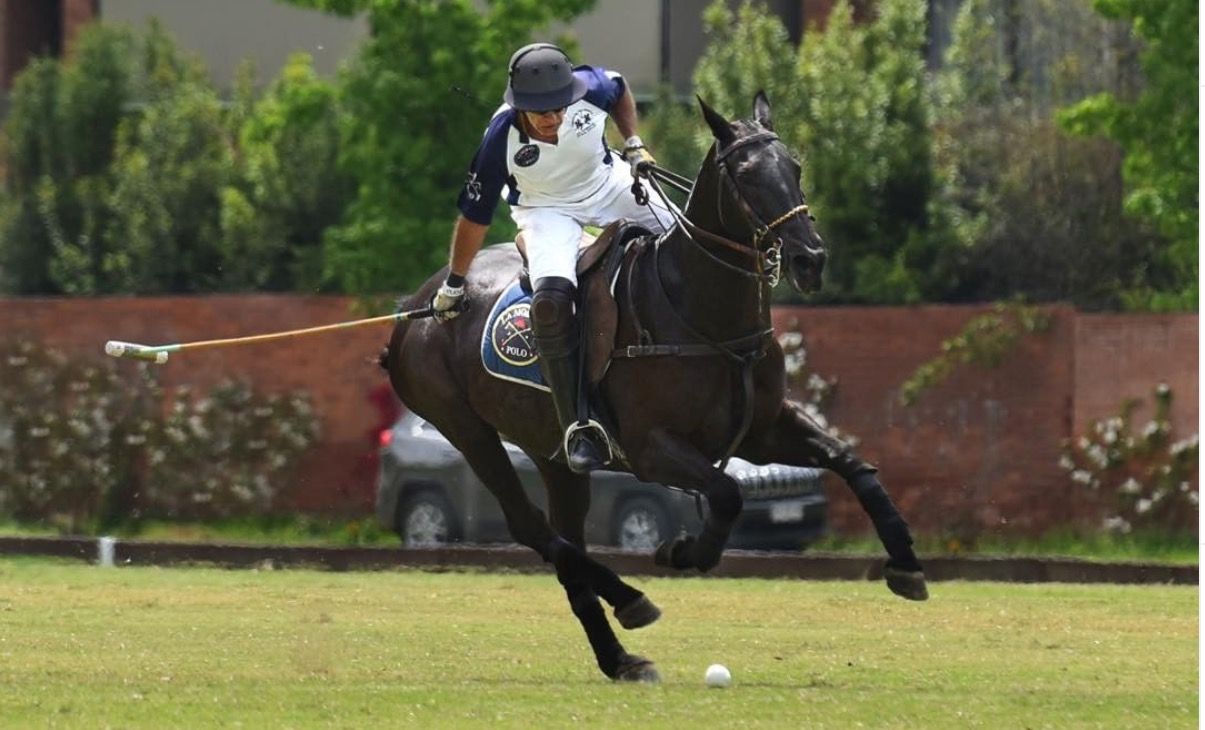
pixel 429 496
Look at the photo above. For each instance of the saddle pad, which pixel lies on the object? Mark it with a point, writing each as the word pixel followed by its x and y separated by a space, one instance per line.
pixel 508 347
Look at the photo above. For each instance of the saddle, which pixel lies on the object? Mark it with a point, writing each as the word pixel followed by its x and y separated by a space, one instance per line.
pixel 598 263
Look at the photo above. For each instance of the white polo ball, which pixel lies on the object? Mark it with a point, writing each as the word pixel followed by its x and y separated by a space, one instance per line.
pixel 717 675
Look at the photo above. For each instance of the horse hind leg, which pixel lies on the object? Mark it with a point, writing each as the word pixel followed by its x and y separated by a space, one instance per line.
pixel 798 440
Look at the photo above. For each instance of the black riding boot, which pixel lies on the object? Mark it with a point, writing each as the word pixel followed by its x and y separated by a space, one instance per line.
pixel 556 333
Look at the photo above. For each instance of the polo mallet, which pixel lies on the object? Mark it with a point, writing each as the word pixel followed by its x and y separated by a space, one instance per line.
pixel 159 353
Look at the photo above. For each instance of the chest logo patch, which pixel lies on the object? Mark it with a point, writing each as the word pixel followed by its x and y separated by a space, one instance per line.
pixel 527 155
pixel 511 335
pixel 583 121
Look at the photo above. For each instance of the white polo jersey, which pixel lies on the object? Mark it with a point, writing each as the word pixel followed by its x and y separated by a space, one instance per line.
pixel 532 173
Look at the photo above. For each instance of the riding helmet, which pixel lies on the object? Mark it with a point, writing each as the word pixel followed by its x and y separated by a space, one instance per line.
pixel 541 79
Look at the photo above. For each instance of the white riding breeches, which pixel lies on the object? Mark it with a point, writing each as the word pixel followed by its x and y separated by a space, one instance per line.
pixel 552 235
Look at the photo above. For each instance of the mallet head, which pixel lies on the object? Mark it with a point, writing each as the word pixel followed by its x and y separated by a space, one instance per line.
pixel 115 348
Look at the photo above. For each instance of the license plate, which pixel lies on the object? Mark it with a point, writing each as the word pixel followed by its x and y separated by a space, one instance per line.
pixel 787 511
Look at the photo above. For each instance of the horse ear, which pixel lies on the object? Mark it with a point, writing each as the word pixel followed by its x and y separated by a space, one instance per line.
pixel 761 110
pixel 720 127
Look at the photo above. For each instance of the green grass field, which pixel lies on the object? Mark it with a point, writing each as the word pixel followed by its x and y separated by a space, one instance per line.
pixel 82 646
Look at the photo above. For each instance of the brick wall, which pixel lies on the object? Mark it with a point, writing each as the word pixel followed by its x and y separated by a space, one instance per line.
pixel 980 449
pixel 1121 356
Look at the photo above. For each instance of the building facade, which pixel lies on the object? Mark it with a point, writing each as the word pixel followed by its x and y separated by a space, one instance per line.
pixel 653 42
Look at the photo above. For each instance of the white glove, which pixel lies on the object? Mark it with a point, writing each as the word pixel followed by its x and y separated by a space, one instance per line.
pixel 447 303
pixel 637 155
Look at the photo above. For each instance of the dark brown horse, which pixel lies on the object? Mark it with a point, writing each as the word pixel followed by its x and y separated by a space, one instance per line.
pixel 697 376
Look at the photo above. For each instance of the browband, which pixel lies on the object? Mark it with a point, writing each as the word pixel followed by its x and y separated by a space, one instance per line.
pixel 759 137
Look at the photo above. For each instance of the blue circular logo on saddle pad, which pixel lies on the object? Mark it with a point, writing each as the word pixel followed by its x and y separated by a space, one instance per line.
pixel 512 337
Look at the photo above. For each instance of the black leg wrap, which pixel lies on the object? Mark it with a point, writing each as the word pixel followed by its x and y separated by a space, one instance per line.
pixel 850 467
pixel 892 530
pixel 589 612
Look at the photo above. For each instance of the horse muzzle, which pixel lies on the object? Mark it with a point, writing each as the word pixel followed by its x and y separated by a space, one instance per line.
pixel 804 269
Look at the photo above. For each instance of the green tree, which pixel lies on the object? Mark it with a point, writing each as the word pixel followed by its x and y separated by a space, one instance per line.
pixel 289 188
pixel 60 135
pixel 418 95
pixel 747 51
pixel 1159 133
pixel 865 133
pixel 676 133
pixel 171 161
pixel 1035 212
pixel 116 158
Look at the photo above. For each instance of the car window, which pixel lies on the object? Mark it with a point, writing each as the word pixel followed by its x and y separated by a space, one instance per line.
pixel 420 427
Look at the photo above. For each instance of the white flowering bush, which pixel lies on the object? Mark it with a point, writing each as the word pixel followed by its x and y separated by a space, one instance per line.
pixel 1147 476
pixel 86 446
pixel 812 390
pixel 72 435
pixel 225 454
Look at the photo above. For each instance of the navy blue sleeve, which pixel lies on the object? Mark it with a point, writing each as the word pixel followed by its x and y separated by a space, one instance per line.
pixel 487 173
pixel 603 87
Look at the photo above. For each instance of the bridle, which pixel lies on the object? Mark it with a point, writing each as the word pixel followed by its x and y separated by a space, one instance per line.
pixel 767 258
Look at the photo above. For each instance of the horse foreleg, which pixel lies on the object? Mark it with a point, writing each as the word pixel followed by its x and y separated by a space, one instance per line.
pixel 798 440
pixel 568 503
pixel 669 459
pixel 485 454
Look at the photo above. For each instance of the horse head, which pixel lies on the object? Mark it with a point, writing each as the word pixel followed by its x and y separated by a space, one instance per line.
pixel 759 200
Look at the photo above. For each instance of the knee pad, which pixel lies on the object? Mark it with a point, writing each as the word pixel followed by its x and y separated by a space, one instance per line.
pixel 552 314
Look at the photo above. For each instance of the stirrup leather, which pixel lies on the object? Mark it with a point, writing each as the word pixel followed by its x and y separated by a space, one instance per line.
pixel 592 425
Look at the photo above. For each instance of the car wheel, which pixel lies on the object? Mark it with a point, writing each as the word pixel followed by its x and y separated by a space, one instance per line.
pixel 426 520
pixel 640 524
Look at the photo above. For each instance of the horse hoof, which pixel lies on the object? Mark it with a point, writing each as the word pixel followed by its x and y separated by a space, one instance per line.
pixel 707 563
pixel 908 584
pixel 637 669
pixel 638 613
pixel 673 553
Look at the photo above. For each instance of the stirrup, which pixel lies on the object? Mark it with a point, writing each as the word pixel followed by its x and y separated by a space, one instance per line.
pixel 591 425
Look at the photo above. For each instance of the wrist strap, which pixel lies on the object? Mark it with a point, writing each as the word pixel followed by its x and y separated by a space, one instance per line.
pixel 633 142
pixel 454 280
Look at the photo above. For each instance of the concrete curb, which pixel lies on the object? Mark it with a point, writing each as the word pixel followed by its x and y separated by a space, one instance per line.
pixel 736 563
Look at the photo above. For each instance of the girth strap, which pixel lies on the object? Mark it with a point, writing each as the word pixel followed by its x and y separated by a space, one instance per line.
pixel 751 343
pixel 746 412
